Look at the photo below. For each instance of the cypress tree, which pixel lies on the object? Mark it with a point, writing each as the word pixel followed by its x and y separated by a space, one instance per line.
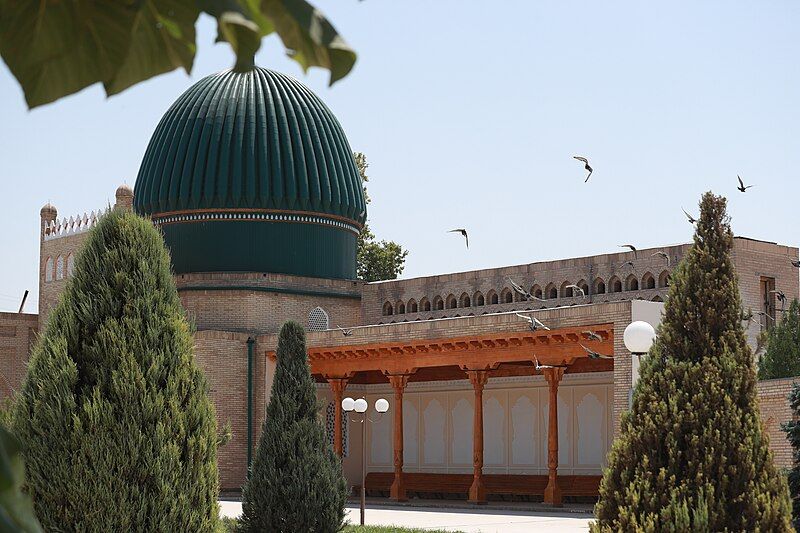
pixel 782 358
pixel 296 483
pixel 114 416
pixel 792 429
pixel 692 454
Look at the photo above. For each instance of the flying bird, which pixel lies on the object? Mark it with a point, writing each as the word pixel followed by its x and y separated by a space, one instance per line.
pixel 463 232
pixel 533 322
pixel 629 246
pixel 345 332
pixel 593 336
pixel 781 298
pixel 537 366
pixel 662 254
pixel 522 292
pixel 575 289
pixel 741 186
pixel 585 166
pixel 692 220
pixel 795 264
pixel 594 355
pixel 764 313
pixel 628 263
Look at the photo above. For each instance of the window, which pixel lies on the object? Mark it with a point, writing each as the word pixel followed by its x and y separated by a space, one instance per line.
pixel 329 428
pixel 767 285
pixel 566 292
pixel 60 267
pixel 452 303
pixel 648 281
pixel 551 291
pixel 48 269
pixel 387 309
pixel 317 319
pixel 425 304
pixel 70 264
pixel 465 300
pixel 438 303
pixel 479 299
pixel 412 306
pixel 401 308
pixel 632 283
pixel 616 284
pixel 599 286
pixel 492 297
pixel 507 296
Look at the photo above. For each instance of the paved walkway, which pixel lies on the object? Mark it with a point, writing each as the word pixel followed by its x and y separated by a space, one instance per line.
pixel 467 520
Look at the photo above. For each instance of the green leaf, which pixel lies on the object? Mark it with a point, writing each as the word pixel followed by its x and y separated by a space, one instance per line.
pixel 162 39
pixel 56 48
pixel 16 508
pixel 243 36
pixel 310 39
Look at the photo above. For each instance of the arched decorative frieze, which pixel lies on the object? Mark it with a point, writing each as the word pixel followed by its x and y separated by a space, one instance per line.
pixel 464 300
pixel 478 299
pixel 425 304
pixel 506 296
pixel 615 284
pixel 551 291
pixel 648 281
pixel 599 286
pixel 438 303
pixel 632 283
pixel 663 279
pixel 388 309
pixel 492 298
pixel 412 307
pixel 451 302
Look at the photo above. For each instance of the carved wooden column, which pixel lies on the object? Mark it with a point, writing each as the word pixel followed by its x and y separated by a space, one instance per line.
pixel 398 489
pixel 552 493
pixel 338 385
pixel 477 492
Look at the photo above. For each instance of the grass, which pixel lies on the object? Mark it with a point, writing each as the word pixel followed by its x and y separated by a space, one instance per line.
pixel 229 524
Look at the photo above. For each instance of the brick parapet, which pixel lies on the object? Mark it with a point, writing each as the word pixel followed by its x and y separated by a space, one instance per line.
pixel 17 336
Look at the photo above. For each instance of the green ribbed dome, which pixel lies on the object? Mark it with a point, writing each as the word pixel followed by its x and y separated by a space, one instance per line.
pixel 250 171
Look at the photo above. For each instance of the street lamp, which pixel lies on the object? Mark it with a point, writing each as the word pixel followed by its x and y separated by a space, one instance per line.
pixel 360 406
pixel 638 338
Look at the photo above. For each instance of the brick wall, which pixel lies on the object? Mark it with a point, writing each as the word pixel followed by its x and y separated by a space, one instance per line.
pixel 223 358
pixel 17 335
pixel 50 291
pixel 544 274
pixel 773 401
pixel 260 303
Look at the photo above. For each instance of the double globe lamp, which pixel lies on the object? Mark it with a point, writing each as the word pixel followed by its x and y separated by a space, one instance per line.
pixel 360 406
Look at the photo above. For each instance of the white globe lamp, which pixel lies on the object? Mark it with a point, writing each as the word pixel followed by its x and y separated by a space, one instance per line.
pixel 381 405
pixel 360 405
pixel 348 404
pixel 639 337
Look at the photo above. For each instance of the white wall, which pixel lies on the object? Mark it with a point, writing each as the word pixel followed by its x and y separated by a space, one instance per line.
pixel 438 426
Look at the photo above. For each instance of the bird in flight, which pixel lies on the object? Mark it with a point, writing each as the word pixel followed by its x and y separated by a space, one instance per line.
pixel 463 232
pixel 741 186
pixel 593 336
pixel 575 289
pixel 795 264
pixel 522 292
pixel 662 254
pixel 628 263
pixel 764 313
pixel 585 166
pixel 345 332
pixel 540 367
pixel 594 355
pixel 781 298
pixel 692 220
pixel 631 247
pixel 533 322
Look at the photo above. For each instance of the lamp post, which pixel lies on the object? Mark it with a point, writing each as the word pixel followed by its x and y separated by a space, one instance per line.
pixel 360 406
pixel 638 338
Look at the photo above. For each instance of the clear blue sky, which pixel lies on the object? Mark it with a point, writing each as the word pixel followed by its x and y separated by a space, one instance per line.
pixel 470 113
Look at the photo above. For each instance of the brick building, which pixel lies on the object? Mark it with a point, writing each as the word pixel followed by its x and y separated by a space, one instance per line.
pixel 252 182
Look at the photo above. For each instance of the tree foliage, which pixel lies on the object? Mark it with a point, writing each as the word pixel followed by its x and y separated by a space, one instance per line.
pixel 16 508
pixel 792 429
pixel 692 454
pixel 114 415
pixel 296 482
pixel 54 49
pixel 376 260
pixel 782 356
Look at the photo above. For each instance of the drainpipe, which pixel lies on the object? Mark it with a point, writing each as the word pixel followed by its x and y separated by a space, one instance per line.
pixel 250 342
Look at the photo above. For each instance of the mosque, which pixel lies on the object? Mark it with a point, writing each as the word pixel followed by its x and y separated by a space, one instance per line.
pixel 252 181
